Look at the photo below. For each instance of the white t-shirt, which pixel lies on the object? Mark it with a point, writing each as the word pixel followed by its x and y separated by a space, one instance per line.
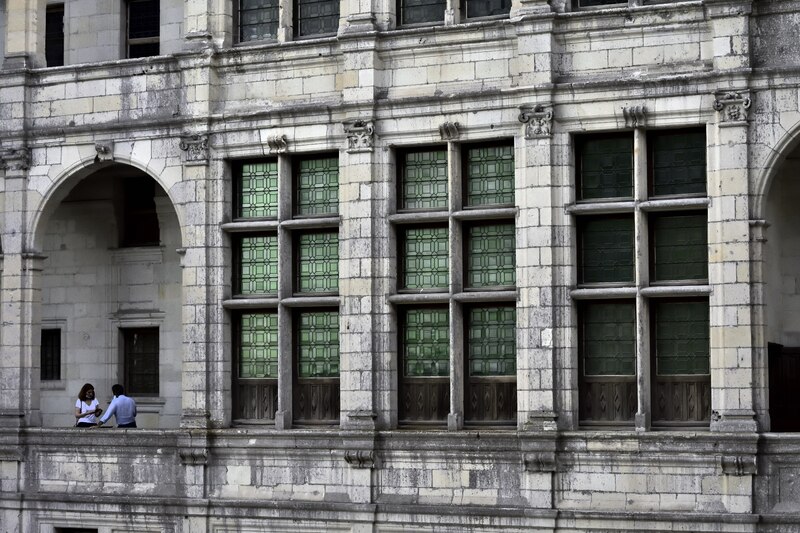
pixel 83 406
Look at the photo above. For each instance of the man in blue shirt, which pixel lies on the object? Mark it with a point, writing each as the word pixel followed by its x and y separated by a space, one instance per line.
pixel 122 407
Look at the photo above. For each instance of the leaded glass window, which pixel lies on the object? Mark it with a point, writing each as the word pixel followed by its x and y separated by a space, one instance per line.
pixel 681 337
pixel 680 247
pixel 423 180
pixel 144 28
pixel 605 167
pixel 489 175
pixel 491 250
pixel 421 11
pixel 316 17
pixel 425 258
pixel 426 342
pixel 608 338
pixel 678 161
pixel 258 189
pixel 491 341
pixel 258 264
pixel 318 262
pixel 318 344
pixel 317 182
pixel 258 19
pixel 258 345
pixel 606 250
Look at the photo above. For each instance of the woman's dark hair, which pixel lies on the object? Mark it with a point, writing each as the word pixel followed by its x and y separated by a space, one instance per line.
pixel 82 394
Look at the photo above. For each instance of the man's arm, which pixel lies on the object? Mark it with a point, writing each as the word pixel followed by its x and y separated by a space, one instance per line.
pixel 112 408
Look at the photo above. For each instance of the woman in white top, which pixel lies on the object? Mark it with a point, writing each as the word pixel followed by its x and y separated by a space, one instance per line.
pixel 87 408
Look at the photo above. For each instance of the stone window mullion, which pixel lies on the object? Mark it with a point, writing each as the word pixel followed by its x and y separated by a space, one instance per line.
pixel 641 247
pixel 455 419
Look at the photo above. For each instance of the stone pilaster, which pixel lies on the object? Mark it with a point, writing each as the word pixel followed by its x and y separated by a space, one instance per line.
pixel 357 252
pixel 534 41
pixel 731 313
pixel 207 24
pixel 730 28
pixel 24 34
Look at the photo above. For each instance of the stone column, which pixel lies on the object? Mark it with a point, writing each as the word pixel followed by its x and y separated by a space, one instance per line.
pixel 731 314
pixel 536 228
pixel 357 272
pixel 20 295
pixel 24 34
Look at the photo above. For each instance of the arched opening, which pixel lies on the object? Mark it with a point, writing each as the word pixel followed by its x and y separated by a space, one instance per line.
pixel 782 276
pixel 111 296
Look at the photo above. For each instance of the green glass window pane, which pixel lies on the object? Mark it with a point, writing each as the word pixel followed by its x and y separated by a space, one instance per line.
pixel 259 190
pixel 606 167
pixel 681 332
pixel 678 161
pixel 608 338
pixel 316 17
pixel 490 176
pixel 258 265
pixel 490 256
pixel 318 186
pixel 607 250
pixel 421 11
pixel 426 343
pixel 425 258
pixel 318 268
pixel 318 344
pixel 258 19
pixel 680 247
pixel 491 341
pixel 258 345
pixel 487 8
pixel 423 180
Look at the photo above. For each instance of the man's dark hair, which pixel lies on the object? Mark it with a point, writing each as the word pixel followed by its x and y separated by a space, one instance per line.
pixel 117 390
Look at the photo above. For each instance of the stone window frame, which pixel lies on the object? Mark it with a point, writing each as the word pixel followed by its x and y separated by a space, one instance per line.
pixel 287 24
pixel 287 303
pixel 456 298
pixel 640 291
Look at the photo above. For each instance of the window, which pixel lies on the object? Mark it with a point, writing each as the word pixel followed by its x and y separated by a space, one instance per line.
pixel 140 356
pixel 456 281
pixel 412 12
pixel 642 270
pixel 316 17
pixel 143 28
pixel 258 19
pixel 261 19
pixel 286 285
pixel 54 35
pixel 50 355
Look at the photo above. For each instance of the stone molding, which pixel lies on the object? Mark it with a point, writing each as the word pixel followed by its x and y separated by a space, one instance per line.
pixel 538 120
pixel 360 135
pixel 360 458
pixel 739 465
pixel 540 462
pixel 193 456
pixel 450 131
pixel 635 116
pixel 732 108
pixel 195 146
pixel 15 159
pixel 542 421
pixel 278 144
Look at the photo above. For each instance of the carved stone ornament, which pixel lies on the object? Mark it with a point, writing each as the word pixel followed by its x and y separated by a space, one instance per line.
pixel 359 135
pixel 15 159
pixel 196 147
pixel 732 107
pixel 449 131
pixel 540 462
pixel 739 465
pixel 538 120
pixel 360 458
pixel 278 144
pixel 105 152
pixel 193 456
pixel 635 116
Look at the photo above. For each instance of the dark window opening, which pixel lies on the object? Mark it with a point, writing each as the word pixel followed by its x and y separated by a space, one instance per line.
pixel 140 356
pixel 50 355
pixel 421 11
pixel 485 8
pixel 784 374
pixel 54 35
pixel 139 217
pixel 143 28
pixel 596 3
pixel 75 530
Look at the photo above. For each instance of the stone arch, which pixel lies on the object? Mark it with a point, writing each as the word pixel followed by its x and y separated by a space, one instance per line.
pixel 772 166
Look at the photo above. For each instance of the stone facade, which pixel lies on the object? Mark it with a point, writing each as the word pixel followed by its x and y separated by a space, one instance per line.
pixel 537 82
